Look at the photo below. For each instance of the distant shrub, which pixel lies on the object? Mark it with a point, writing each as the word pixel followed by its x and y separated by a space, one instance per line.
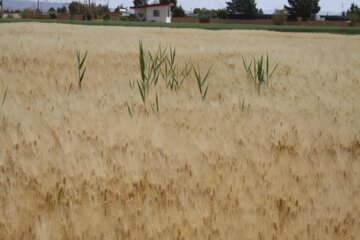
pixel 353 18
pixel 25 12
pixel 106 17
pixel 221 13
pixel 76 8
pixel 140 16
pixel 132 17
pixel 87 16
pixel 62 10
pixel 52 13
pixel 279 17
pixel 178 11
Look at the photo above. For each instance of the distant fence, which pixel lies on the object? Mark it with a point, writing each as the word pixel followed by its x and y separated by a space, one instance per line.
pixel 34 16
pixel 118 17
pixel 112 16
pixel 69 17
pixel 262 22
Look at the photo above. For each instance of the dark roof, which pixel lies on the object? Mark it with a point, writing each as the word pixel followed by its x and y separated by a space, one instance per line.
pixel 153 5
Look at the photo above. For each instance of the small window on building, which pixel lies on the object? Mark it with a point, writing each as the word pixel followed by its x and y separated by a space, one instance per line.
pixel 156 13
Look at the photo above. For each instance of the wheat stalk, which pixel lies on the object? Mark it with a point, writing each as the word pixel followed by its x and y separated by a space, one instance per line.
pixel 202 83
pixel 81 70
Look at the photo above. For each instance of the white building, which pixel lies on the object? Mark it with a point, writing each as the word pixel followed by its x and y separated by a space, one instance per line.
pixel 154 12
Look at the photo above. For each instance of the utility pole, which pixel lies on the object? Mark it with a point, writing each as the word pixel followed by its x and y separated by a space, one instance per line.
pixel 1 5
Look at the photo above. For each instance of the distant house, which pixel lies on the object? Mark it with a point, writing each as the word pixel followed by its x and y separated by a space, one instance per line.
pixel 154 12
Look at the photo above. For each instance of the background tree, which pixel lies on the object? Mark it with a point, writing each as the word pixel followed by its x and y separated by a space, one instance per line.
pixel 171 1
pixel 204 12
pixel 140 2
pixel 61 10
pixel 76 8
pixel 101 9
pixel 353 14
pixel 245 7
pixel 117 9
pixel 178 12
pixel 196 11
pixel 52 12
pixel 221 13
pixel 303 8
pixel 354 9
pixel 279 17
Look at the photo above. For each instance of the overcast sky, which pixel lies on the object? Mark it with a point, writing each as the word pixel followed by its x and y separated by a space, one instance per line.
pixel 266 5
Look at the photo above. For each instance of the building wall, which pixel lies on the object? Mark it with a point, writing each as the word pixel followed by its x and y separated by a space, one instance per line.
pixel 165 14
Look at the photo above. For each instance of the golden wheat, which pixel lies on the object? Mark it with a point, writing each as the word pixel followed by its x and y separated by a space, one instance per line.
pixel 282 165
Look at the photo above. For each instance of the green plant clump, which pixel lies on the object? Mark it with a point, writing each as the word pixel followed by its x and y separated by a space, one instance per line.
pixel 279 17
pixel 259 71
pixel 353 18
pixel 162 64
pixel 149 71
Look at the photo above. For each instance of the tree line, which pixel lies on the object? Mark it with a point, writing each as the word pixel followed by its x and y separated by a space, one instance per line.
pixel 89 10
pixel 304 9
pixel 295 8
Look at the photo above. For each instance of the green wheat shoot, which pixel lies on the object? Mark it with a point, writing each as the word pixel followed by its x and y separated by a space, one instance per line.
pixel 4 97
pixel 259 71
pixel 202 83
pixel 80 67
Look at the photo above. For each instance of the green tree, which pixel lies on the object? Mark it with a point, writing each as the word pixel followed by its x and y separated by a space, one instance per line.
pixel 169 1
pixel 303 8
pixel 101 9
pixel 139 2
pixel 204 12
pixel 221 13
pixel 117 9
pixel 173 2
pixel 245 7
pixel 51 10
pixel 178 12
pixel 76 8
pixel 61 10
pixel 279 17
pixel 354 9
pixel 197 11
pixel 353 14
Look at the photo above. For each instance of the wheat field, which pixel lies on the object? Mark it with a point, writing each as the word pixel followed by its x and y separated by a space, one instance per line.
pixel 284 164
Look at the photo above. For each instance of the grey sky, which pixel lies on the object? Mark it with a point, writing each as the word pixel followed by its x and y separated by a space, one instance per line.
pixel 326 5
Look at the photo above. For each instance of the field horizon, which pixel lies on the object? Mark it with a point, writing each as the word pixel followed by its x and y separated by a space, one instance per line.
pixel 354 30
pixel 282 164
